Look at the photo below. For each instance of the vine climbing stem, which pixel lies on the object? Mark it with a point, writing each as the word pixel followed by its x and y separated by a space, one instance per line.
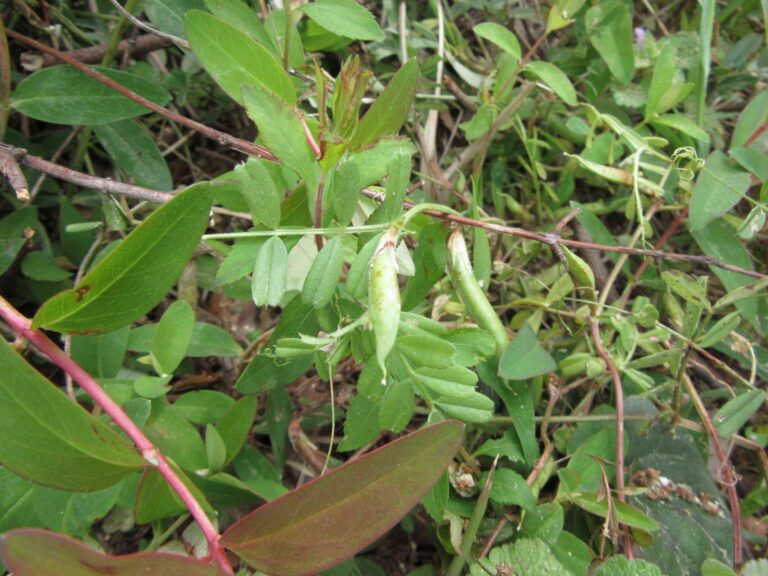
pixel 23 327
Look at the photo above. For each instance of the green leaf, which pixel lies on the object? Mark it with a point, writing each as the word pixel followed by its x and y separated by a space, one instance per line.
pixel 533 556
pixel 735 413
pixel 456 382
pixel 344 17
pixel 661 81
pixel 235 424
pixel 509 488
pixel 682 124
pixel 720 330
pixel 753 223
pixel 241 16
pixel 754 115
pixel 259 191
pixel 50 440
pixel 398 177
pixel 719 188
pixel 357 277
pixel 388 113
pixel 207 340
pixel 155 499
pixel 750 290
pixel 203 406
pixel 425 349
pixel 9 249
pixel 257 472
pixel 344 190
pixel 215 450
pixel 63 95
pixel 235 60
pixel 175 436
pixel 323 276
pixel 168 15
pixel 74 513
pixel 396 406
pixel 687 288
pixel 36 552
pixel 619 566
pixel 553 77
pixel 718 240
pixel 350 506
pixel 133 149
pixel 282 132
pixel 174 331
pixel 501 37
pixel 136 275
pixel 40 265
pixel 471 345
pixel 430 258
pixel 373 161
pixel 270 272
pixel 362 423
pixel 525 358
pixel 626 514
pixel 609 29
pixel 474 408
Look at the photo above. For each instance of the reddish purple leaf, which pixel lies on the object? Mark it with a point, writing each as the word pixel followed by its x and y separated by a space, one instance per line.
pixel 35 552
pixel 331 518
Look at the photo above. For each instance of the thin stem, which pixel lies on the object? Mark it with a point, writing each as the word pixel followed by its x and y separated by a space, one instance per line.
pixel 296 232
pixel 729 478
pixel 222 137
pixel 5 80
pixel 619 393
pixel 22 326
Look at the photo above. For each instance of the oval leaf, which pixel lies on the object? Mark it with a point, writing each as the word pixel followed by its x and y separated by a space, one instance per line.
pixel 50 440
pixel 233 58
pixel 63 95
pixel 174 332
pixel 344 17
pixel 136 275
pixel 553 77
pixel 720 186
pixel 525 358
pixel 350 507
pixel 270 273
pixel 323 276
pixel 500 36
pixel 35 552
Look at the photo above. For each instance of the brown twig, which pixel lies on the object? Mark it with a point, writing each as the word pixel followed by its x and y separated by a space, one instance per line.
pixel 222 137
pixel 619 394
pixel 84 180
pixel 135 47
pixel 10 167
pixel 729 478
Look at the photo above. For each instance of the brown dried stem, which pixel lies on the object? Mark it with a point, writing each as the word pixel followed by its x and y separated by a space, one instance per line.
pixel 134 47
pixel 10 167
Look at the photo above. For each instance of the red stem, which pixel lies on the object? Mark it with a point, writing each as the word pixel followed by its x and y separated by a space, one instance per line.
pixel 22 325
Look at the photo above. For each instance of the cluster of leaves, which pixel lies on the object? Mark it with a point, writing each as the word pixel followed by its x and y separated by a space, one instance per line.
pixel 328 303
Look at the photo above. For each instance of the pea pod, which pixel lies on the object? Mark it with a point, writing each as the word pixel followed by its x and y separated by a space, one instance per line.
pixel 384 296
pixel 471 293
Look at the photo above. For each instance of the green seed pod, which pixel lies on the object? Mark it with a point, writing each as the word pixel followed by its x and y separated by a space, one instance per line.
pixel 473 296
pixel 384 296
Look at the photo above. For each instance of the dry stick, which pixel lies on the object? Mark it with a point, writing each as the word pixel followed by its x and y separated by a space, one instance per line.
pixel 84 180
pixel 10 167
pixel 729 478
pixel 181 42
pixel 22 325
pixel 222 137
pixel 252 149
pixel 136 47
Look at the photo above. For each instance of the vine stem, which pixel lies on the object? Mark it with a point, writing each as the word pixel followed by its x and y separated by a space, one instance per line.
pixel 22 325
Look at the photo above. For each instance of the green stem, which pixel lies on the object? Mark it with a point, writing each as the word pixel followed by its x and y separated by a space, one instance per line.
pixel 295 232
pixel 287 14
